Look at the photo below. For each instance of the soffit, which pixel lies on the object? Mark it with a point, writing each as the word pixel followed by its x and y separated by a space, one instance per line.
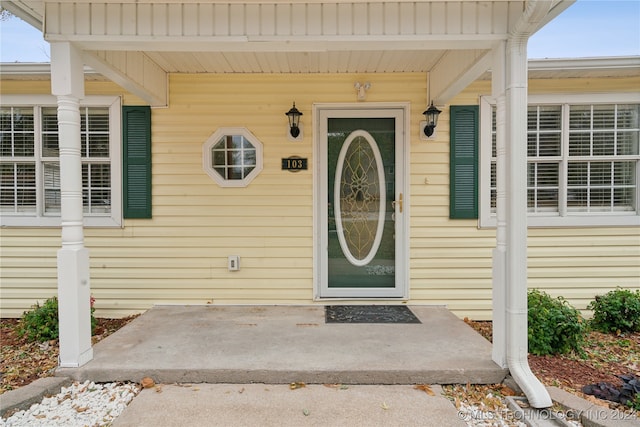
pixel 627 66
pixel 568 68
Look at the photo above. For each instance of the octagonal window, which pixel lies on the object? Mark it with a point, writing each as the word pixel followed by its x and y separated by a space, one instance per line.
pixel 232 157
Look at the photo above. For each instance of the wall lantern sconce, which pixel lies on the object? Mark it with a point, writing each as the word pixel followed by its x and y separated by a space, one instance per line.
pixel 431 115
pixel 294 123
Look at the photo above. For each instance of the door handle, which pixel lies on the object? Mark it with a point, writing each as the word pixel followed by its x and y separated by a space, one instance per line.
pixel 398 203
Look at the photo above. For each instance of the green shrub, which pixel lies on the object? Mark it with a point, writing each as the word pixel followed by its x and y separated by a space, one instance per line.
pixel 617 311
pixel 555 327
pixel 41 323
pixel 94 322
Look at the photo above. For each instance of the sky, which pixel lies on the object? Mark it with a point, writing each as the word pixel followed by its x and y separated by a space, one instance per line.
pixel 588 28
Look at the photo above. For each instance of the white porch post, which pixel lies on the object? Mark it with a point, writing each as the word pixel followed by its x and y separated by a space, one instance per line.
pixel 74 291
pixel 499 272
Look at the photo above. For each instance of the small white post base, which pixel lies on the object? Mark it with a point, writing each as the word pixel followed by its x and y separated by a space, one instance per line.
pixel 74 308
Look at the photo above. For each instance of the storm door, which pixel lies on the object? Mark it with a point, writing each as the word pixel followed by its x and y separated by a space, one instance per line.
pixel 362 204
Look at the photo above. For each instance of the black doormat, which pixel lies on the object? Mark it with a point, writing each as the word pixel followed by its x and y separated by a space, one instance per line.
pixel 369 314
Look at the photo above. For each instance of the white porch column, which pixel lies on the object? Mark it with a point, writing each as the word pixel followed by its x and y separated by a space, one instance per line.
pixel 499 272
pixel 74 291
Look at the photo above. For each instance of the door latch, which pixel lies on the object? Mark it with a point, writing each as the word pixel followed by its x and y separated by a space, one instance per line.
pixel 398 203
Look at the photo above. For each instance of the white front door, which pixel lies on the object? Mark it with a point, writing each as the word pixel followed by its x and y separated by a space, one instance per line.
pixel 362 203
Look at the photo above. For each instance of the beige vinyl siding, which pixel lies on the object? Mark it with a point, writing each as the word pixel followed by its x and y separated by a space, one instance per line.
pixel 580 263
pixel 576 263
pixel 43 87
pixel 180 255
pixel 450 259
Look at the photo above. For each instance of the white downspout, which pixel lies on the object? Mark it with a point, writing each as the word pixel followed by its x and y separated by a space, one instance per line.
pixel 516 203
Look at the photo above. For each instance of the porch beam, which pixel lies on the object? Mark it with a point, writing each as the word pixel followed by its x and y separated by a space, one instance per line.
pixel 244 43
pixel 134 71
pixel 455 71
pixel 27 12
pixel 74 290
pixel 162 20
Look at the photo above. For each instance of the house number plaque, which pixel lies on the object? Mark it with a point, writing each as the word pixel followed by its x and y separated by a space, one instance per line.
pixel 294 164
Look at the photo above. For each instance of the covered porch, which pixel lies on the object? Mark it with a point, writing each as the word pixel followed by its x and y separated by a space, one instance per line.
pixel 142 45
pixel 286 344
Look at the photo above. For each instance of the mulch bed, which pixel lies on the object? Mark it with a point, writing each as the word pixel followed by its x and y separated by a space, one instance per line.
pixel 22 362
pixel 606 356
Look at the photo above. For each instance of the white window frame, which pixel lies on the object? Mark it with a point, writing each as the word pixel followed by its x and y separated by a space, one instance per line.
pixel 487 219
pixel 207 158
pixel 114 218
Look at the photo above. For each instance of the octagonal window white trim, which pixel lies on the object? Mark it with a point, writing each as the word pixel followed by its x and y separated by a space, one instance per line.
pixel 232 156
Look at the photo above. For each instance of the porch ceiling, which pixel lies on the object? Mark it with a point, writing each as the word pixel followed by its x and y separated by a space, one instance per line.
pixel 137 43
pixel 350 61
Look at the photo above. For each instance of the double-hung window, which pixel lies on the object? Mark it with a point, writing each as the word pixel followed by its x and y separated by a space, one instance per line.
pixel 30 162
pixel 583 160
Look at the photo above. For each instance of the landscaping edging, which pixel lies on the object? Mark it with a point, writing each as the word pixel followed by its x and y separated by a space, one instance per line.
pixel 590 414
pixel 23 397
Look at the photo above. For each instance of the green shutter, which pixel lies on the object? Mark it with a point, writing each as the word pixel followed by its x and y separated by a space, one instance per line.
pixel 136 134
pixel 463 184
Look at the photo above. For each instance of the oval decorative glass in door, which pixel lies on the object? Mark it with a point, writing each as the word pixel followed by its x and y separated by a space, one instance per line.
pixel 359 198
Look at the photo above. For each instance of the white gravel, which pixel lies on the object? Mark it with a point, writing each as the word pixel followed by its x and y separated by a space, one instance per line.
pixel 476 416
pixel 81 404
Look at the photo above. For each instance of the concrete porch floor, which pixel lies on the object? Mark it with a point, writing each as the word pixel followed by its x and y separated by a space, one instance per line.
pixel 284 344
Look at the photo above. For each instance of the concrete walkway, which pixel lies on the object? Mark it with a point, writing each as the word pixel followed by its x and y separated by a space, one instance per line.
pixel 284 344
pixel 263 405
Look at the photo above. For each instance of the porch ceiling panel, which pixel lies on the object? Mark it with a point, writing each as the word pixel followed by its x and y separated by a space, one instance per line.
pixel 296 62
